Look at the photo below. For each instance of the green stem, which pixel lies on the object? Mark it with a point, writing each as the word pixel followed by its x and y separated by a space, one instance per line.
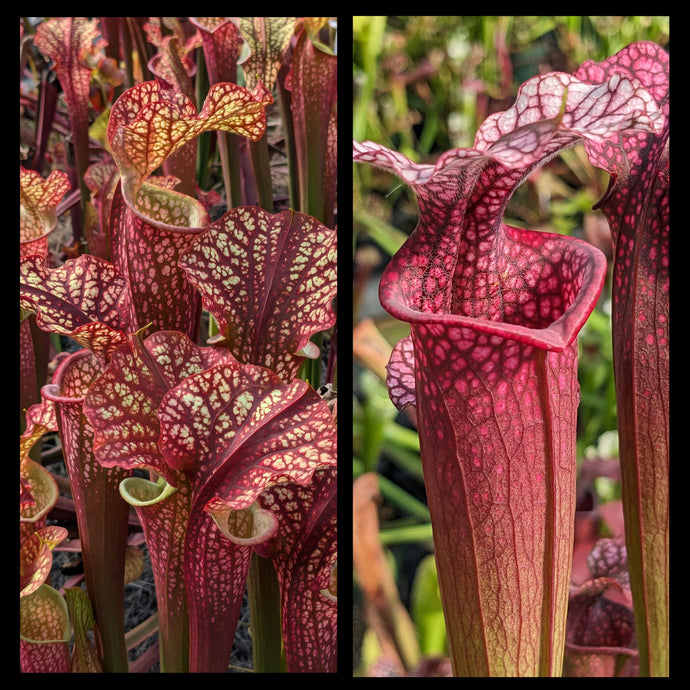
pixel 407 534
pixel 228 146
pixel 310 369
pixel 311 188
pixel 285 100
pixel 262 172
pixel 370 37
pixel 315 378
pixel 104 569
pixel 143 631
pixel 264 605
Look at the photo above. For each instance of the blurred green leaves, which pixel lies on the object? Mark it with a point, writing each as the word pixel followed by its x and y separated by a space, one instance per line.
pixel 425 83
pixel 426 609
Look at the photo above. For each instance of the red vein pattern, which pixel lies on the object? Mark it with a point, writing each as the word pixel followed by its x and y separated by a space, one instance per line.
pixel 173 66
pixel 245 433
pixel 38 491
pixel 38 201
pixel 636 206
pixel 36 557
pixel 84 656
pixel 216 572
pixel 268 38
pixel 400 374
pixel 165 525
pixel 122 404
pixel 149 122
pixel 122 407
pixel 235 430
pixel 304 555
pixel 313 82
pixel 40 419
pixel 157 290
pixel 68 40
pixel 44 632
pixel 269 280
pixel 38 494
pixel 599 628
pixel 221 432
pixel 101 178
pixel 494 314
pixel 81 299
pixel 102 515
pixel 71 42
pixel 222 43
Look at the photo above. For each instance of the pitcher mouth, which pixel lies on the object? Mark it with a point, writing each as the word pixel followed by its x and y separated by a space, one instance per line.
pixel 77 371
pixel 554 334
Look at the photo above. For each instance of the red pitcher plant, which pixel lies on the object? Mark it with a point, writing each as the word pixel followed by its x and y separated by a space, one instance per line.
pixel 491 361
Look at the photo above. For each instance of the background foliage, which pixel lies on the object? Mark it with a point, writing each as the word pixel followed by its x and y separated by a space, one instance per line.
pixel 421 86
